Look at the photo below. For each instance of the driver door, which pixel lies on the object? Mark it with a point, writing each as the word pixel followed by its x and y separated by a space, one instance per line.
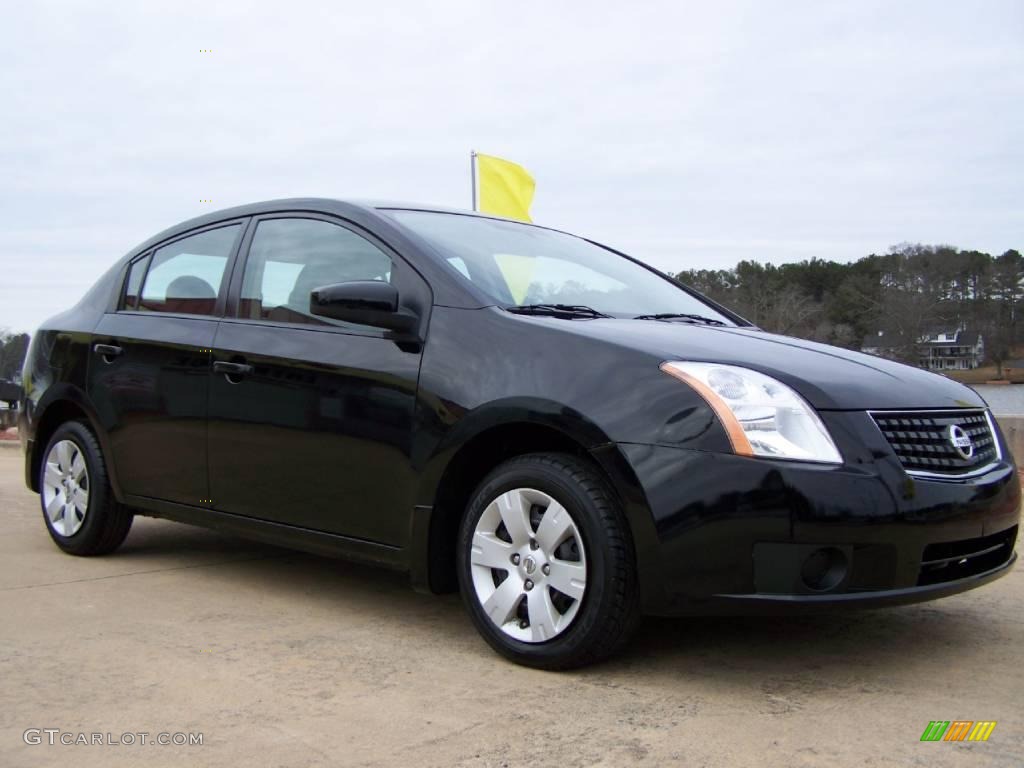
pixel 314 430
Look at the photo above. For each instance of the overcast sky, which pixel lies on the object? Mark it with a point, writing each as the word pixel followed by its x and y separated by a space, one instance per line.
pixel 689 134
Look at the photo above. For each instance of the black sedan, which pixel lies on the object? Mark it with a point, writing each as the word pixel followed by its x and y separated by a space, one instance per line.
pixel 568 436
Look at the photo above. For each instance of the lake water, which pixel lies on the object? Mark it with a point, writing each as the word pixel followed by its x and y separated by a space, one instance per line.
pixel 1004 400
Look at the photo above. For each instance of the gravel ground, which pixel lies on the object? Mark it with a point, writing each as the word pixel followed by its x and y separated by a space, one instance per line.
pixel 280 658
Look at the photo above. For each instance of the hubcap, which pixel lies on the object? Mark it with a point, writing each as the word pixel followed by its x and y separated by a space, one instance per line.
pixel 65 488
pixel 528 565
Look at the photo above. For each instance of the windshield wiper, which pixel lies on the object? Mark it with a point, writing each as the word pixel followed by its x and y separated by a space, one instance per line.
pixel 681 317
pixel 557 310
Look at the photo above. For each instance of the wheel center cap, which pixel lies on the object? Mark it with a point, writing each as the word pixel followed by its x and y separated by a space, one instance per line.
pixel 529 565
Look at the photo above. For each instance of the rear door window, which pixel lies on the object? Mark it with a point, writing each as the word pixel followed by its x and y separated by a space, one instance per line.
pixel 186 276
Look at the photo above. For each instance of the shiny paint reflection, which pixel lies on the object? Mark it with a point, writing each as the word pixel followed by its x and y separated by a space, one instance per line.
pixel 152 402
pixel 319 435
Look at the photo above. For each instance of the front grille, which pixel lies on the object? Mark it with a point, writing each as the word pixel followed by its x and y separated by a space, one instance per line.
pixel 953 560
pixel 921 439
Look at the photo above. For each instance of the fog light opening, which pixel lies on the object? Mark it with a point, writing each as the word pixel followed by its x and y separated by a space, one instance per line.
pixel 824 569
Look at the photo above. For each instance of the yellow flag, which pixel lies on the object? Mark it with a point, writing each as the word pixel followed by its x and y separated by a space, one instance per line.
pixel 518 273
pixel 505 189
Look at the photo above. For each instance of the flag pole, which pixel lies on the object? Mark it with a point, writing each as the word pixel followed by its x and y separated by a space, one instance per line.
pixel 472 175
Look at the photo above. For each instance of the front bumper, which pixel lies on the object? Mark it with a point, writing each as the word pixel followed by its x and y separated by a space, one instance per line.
pixel 781 603
pixel 733 534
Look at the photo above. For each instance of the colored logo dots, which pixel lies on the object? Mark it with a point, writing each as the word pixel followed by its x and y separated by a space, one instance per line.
pixel 958 730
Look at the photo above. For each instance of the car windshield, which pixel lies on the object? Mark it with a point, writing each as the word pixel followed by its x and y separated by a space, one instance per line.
pixel 521 265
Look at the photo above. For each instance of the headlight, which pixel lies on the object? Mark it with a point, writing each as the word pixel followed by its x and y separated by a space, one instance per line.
pixel 762 416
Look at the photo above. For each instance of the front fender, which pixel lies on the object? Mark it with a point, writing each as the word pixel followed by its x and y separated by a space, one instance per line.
pixel 437 455
pixel 570 424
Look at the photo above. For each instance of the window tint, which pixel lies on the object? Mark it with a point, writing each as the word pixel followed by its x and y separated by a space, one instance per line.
pixel 289 258
pixel 135 274
pixel 186 275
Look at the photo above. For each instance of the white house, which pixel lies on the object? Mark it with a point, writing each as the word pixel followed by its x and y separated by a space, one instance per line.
pixel 940 349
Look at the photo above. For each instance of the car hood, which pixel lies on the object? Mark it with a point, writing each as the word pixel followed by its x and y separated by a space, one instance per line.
pixel 829 378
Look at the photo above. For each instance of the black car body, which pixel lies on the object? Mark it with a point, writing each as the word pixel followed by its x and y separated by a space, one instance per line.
pixel 369 441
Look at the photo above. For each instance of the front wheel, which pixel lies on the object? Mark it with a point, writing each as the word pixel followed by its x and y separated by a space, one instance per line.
pixel 546 563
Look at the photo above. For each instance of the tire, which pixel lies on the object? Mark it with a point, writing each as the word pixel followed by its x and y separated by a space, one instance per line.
pixel 514 524
pixel 94 523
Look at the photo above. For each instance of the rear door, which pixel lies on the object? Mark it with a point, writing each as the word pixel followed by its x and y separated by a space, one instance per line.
pixel 149 376
pixel 314 429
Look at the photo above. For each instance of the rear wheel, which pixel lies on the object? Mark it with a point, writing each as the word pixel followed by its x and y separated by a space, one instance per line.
pixel 546 564
pixel 79 507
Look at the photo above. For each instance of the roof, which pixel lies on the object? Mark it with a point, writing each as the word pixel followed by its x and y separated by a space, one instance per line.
pixel 367 214
pixel 355 210
pixel 962 338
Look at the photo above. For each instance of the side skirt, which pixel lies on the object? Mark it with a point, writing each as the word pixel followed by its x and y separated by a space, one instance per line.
pixel 280 534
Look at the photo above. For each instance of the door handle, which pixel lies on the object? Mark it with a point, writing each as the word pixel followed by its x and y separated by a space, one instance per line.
pixel 108 350
pixel 232 369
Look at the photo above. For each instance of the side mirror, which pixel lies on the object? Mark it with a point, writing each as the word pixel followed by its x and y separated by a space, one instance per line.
pixel 367 302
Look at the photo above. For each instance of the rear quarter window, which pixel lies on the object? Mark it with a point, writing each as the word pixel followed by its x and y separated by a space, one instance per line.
pixel 136 272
